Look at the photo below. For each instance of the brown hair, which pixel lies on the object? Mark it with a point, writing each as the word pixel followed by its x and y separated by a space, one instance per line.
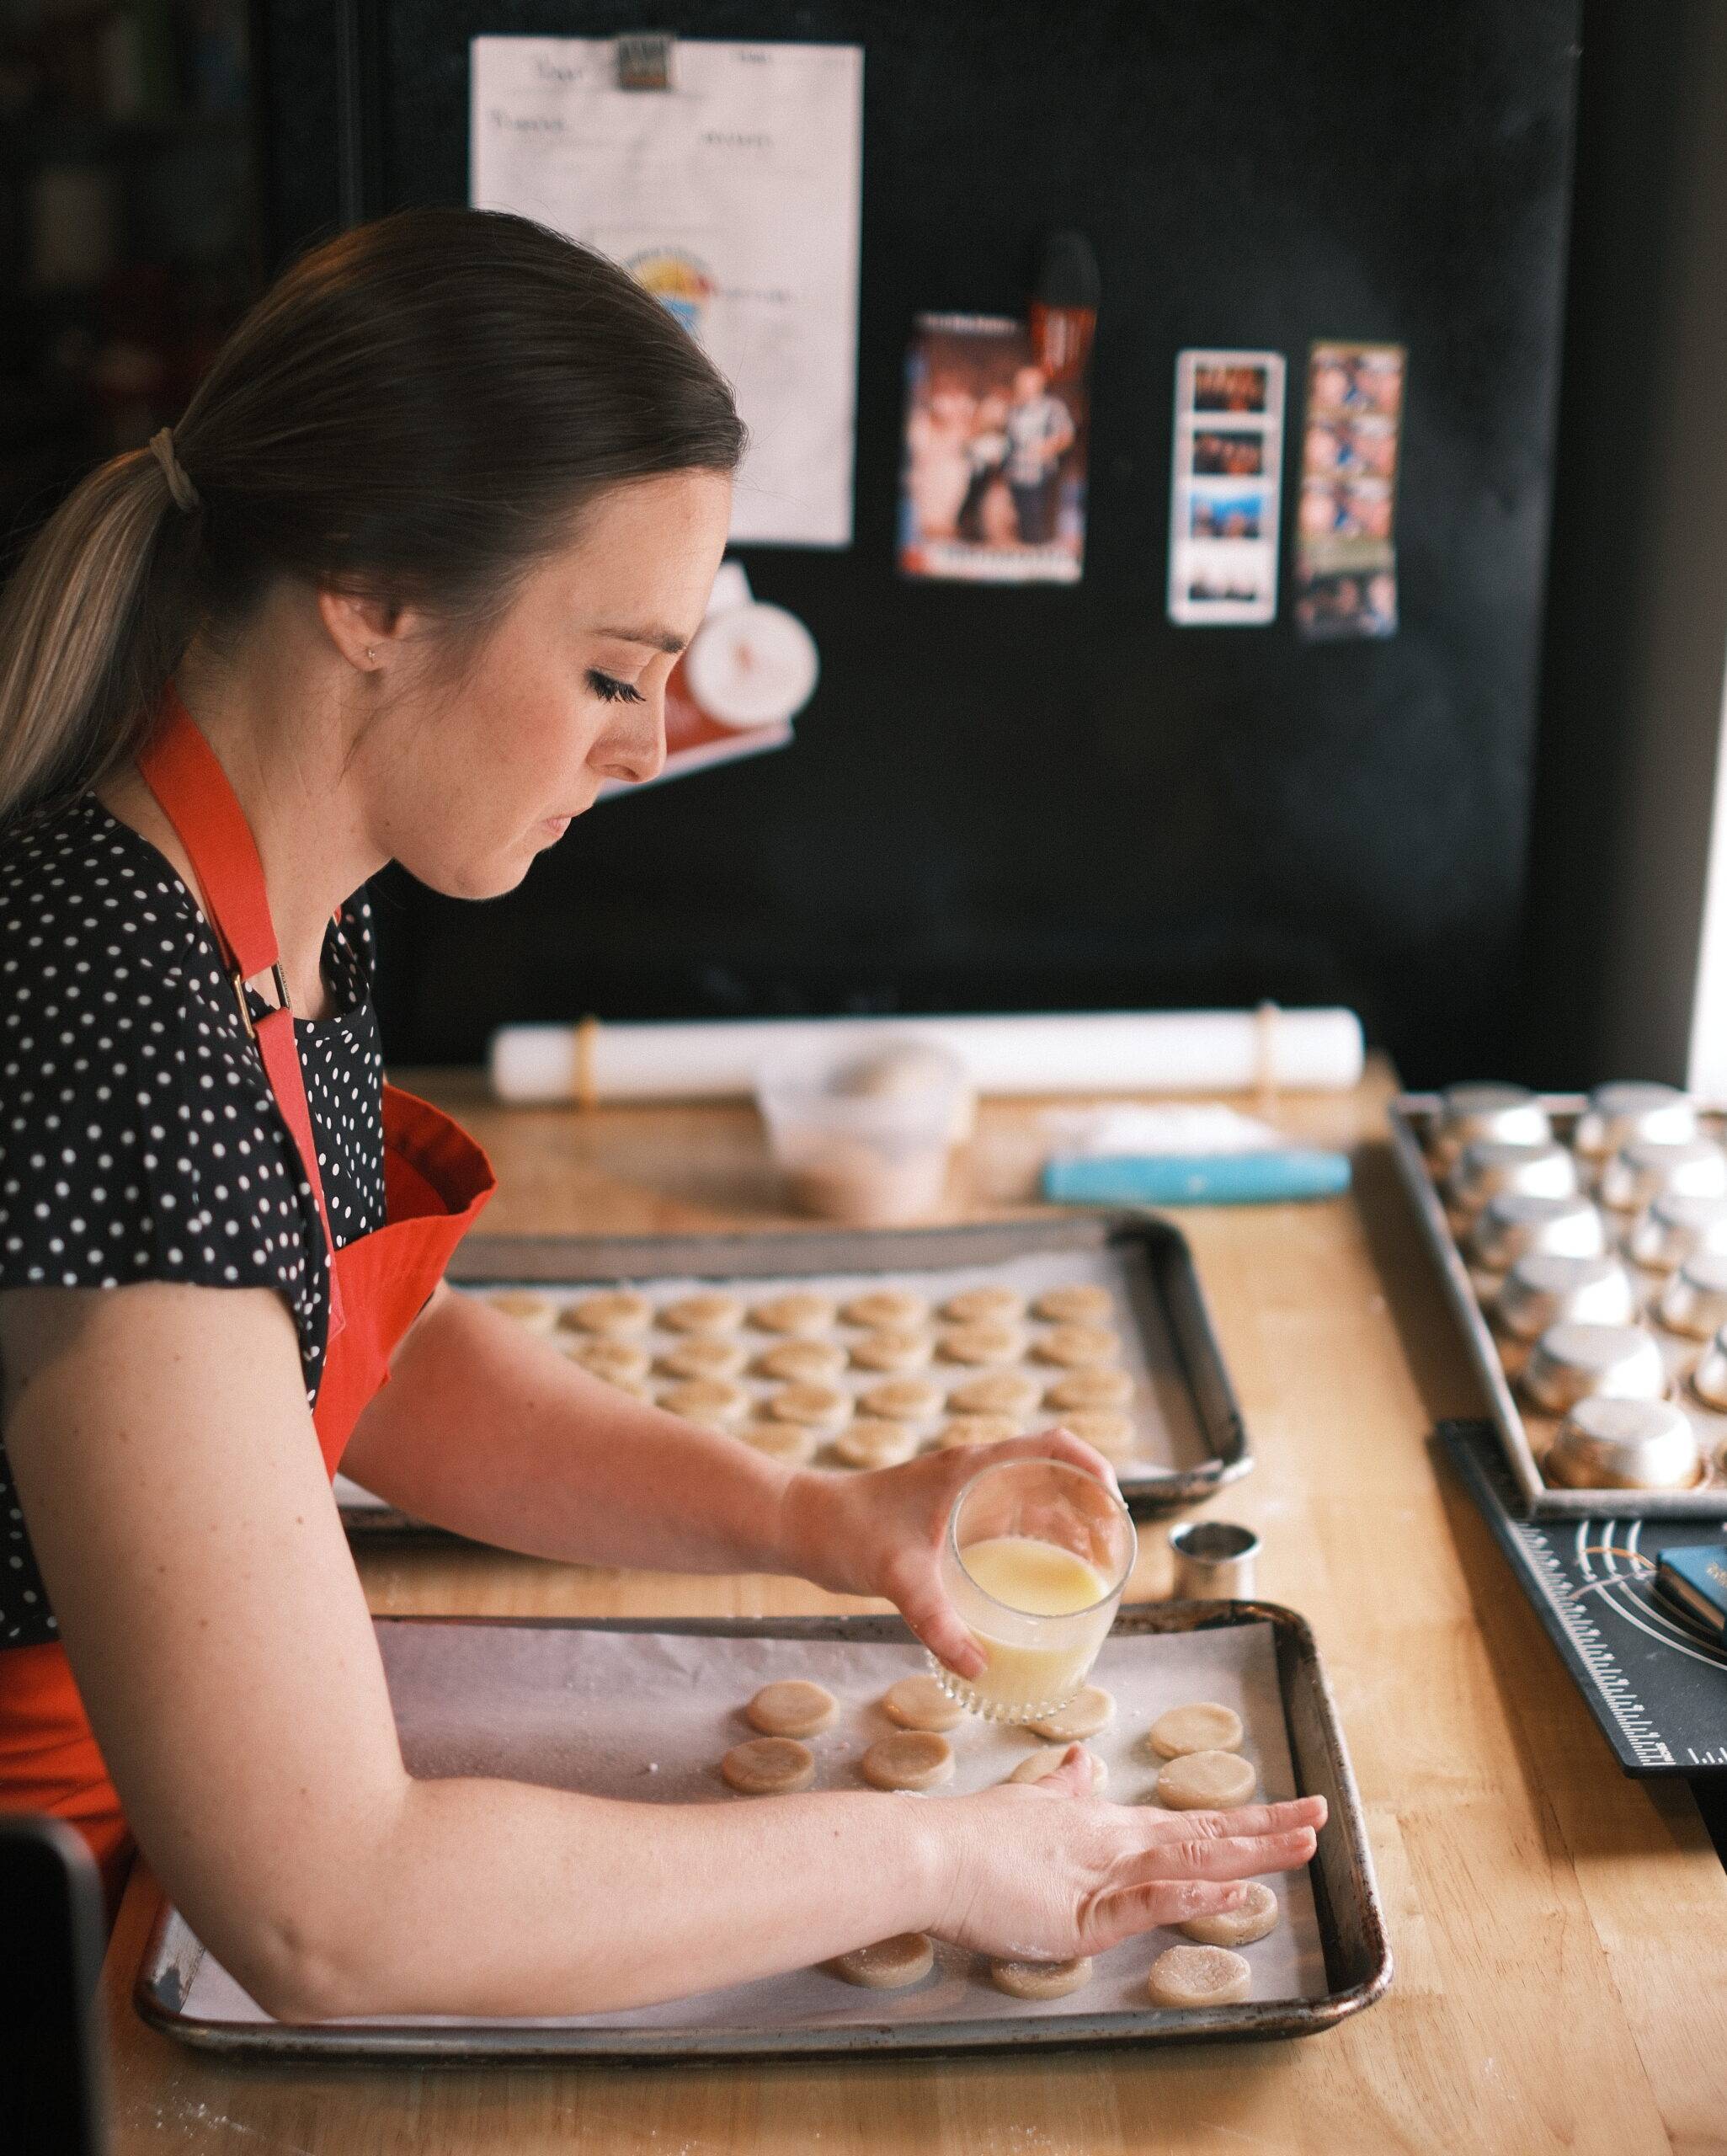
pixel 414 412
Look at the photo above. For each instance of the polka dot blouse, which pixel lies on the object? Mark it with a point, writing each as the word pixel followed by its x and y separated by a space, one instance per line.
pixel 139 1138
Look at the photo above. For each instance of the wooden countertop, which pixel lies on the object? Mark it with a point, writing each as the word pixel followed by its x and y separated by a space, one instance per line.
pixel 1560 1931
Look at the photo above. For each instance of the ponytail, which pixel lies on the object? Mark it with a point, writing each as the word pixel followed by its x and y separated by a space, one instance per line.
pixel 91 626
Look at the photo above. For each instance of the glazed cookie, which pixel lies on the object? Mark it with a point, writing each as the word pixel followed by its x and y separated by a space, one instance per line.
pixel 1090 1710
pixel 888 1965
pixel 902 1400
pixel 1077 1346
pixel 801 1311
pixel 1206 1781
pixel 1002 1392
pixel 1036 1764
pixel 1257 1917
pixel 538 1313
pixel 912 1758
pixel 769 1766
pixel 868 1443
pixel 792 1707
pixel 1082 1303
pixel 820 1407
pixel 800 1361
pixel 704 1355
pixel 713 1312
pixel 714 1401
pixel 1083 1390
pixel 614 1360
pixel 1199 1976
pixel 976 1430
pixel 620 1314
pixel 892 1351
pixel 886 1310
pixel 984 1306
pixel 1040 1979
pixel 1204 1727
pixel 1103 1429
pixel 788 1441
pixel 920 1703
pixel 984 1342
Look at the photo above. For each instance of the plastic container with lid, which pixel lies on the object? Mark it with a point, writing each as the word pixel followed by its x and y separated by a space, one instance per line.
pixel 863 1135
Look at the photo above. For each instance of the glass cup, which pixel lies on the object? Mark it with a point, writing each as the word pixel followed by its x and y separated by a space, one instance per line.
pixel 1036 1557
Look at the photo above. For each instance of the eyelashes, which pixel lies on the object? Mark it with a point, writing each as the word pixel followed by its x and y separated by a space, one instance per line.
pixel 610 691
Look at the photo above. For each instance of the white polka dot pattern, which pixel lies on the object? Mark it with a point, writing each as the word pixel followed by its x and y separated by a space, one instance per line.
pixel 139 1139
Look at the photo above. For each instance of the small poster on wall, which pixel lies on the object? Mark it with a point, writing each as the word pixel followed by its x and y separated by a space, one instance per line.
pixel 993 488
pixel 1223 504
pixel 1346 549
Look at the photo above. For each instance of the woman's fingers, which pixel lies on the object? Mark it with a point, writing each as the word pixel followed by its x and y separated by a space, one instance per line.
pixel 1055 1443
pixel 1073 1777
pixel 1244 1819
pixel 1130 1909
pixel 917 1591
pixel 1225 1856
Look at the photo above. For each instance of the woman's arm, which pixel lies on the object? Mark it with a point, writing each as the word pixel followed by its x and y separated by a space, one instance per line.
pixel 170 1477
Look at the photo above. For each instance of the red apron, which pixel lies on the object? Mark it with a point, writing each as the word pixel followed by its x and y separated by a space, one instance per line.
pixel 436 1179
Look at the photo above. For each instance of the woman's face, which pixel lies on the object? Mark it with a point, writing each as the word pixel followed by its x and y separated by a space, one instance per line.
pixel 467 787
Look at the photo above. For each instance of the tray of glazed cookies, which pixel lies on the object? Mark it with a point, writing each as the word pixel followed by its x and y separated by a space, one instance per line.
pixel 1583 1242
pixel 1190 1706
pixel 857 1350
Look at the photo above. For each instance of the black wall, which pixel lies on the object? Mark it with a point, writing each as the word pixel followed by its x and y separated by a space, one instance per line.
pixel 1054 798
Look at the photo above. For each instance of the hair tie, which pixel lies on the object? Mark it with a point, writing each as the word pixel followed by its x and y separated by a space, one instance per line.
pixel 185 495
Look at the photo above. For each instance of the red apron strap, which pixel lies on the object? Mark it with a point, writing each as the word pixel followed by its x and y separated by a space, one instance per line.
pixel 183 772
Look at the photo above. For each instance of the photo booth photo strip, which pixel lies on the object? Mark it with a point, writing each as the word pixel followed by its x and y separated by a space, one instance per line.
pixel 1224 497
pixel 1346 545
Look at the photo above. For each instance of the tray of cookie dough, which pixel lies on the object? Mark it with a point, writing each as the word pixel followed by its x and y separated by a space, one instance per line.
pixel 860 1348
pixel 695 1712
pixel 1582 1240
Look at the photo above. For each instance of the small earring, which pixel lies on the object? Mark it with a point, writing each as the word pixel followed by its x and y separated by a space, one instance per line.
pixel 372 651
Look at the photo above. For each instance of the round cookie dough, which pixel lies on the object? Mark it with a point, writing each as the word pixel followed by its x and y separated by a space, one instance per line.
pixel 1078 1347
pixel 890 1964
pixel 792 1707
pixel 892 1351
pixel 537 1312
pixel 1082 1391
pixel 613 1360
pixel 984 1305
pixel 1036 1764
pixel 902 1400
pixel 869 1443
pixel 787 1441
pixel 976 1430
pixel 708 1312
pixel 920 1703
pixel 911 1758
pixel 1103 1429
pixel 800 1361
pixel 1206 1781
pixel 620 1314
pixel 1001 1392
pixel 819 1407
pixel 801 1311
pixel 769 1766
pixel 1257 1917
pixel 1204 1727
pixel 1040 1979
pixel 1090 1710
pixel 886 1310
pixel 714 1401
pixel 984 1342
pixel 1199 1976
pixel 1084 1303
pixel 704 1355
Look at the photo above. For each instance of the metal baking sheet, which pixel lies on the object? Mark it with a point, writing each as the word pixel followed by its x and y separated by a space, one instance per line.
pixel 1524 1434
pixel 644 1712
pixel 1191 1438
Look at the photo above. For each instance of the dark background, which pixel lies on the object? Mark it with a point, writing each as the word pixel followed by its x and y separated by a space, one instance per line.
pixel 1034 798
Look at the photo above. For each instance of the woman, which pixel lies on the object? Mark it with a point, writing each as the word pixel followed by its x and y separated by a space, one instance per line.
pixel 405 584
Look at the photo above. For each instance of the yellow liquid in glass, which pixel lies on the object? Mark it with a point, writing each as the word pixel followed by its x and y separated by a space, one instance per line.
pixel 1033 1665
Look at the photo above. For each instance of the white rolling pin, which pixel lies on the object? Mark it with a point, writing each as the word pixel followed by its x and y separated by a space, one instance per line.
pixel 1269 1050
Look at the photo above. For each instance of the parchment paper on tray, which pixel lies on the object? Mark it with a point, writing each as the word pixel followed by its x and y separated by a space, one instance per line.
pixel 647 1715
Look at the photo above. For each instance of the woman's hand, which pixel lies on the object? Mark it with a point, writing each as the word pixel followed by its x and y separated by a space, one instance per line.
pixel 881 1532
pixel 1044 1871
